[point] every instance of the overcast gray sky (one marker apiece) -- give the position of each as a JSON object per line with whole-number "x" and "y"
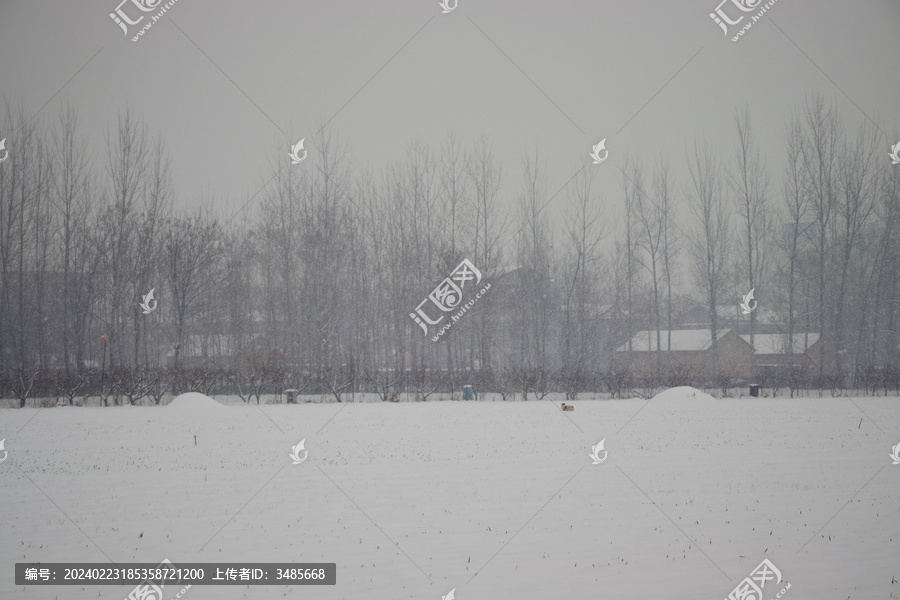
{"x": 230, "y": 85}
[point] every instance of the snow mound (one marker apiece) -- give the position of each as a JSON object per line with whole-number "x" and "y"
{"x": 195, "y": 400}
{"x": 685, "y": 392}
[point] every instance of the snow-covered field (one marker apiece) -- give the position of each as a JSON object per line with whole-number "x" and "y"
{"x": 495, "y": 499}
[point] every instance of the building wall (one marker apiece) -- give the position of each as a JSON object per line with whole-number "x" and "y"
{"x": 735, "y": 356}
{"x": 735, "y": 360}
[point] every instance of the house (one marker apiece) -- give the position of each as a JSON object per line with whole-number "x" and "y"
{"x": 690, "y": 355}
{"x": 774, "y": 356}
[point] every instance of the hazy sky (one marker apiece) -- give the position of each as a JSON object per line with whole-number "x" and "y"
{"x": 230, "y": 85}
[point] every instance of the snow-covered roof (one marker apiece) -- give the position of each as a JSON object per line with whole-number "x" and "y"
{"x": 683, "y": 340}
{"x": 777, "y": 343}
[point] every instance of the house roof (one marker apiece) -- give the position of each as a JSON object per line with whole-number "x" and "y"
{"x": 776, "y": 343}
{"x": 683, "y": 340}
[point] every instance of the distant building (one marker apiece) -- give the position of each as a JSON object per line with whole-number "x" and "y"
{"x": 767, "y": 360}
{"x": 772, "y": 351}
{"x": 691, "y": 354}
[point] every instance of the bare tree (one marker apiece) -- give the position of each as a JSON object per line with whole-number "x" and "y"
{"x": 750, "y": 186}
{"x": 455, "y": 188}
{"x": 69, "y": 384}
{"x": 240, "y": 281}
{"x": 580, "y": 272}
{"x": 26, "y": 230}
{"x": 161, "y": 381}
{"x": 652, "y": 220}
{"x": 425, "y": 383}
{"x": 127, "y": 155}
{"x": 327, "y": 216}
{"x": 820, "y": 150}
{"x": 192, "y": 252}
{"x": 280, "y": 229}
{"x": 488, "y": 233}
{"x": 795, "y": 186}
{"x": 157, "y": 195}
{"x": 539, "y": 381}
{"x": 663, "y": 189}
{"x": 885, "y": 336}
{"x": 710, "y": 246}
{"x": 23, "y": 382}
{"x": 72, "y": 195}
{"x": 135, "y": 383}
{"x": 534, "y": 250}
{"x": 857, "y": 189}
{"x": 42, "y": 217}
{"x": 339, "y": 380}
{"x": 385, "y": 382}
{"x": 203, "y": 379}
{"x": 632, "y": 184}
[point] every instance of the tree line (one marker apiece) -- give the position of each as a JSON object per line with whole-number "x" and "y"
{"x": 312, "y": 284}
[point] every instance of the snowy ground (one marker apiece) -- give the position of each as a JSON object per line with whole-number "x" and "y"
{"x": 412, "y": 500}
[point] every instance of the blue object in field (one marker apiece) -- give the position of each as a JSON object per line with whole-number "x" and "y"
{"x": 468, "y": 392}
